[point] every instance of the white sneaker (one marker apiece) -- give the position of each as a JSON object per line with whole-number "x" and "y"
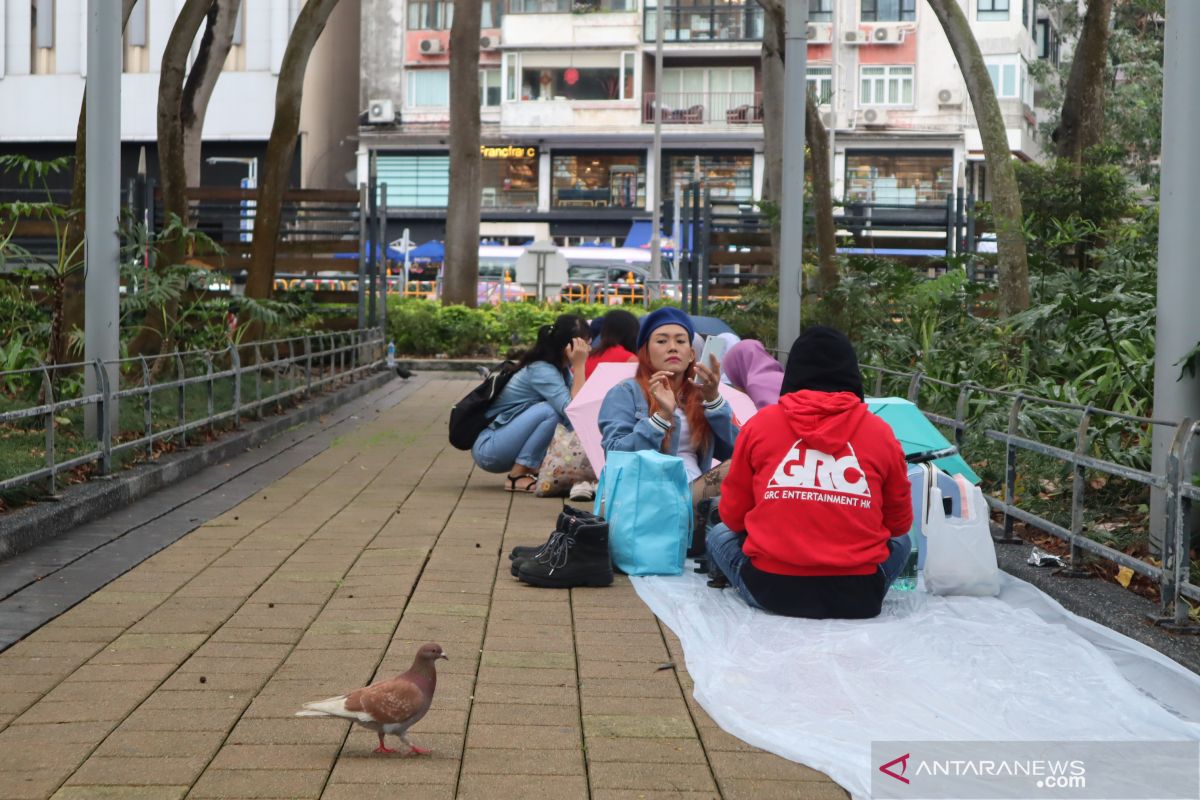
{"x": 584, "y": 490}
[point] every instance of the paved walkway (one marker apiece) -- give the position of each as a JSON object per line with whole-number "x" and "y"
{"x": 181, "y": 677}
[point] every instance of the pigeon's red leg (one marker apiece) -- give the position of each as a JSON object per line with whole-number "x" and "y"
{"x": 383, "y": 748}
{"x": 418, "y": 751}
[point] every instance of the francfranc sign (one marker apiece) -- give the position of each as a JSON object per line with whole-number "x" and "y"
{"x": 508, "y": 151}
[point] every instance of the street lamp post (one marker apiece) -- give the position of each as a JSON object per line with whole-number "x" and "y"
{"x": 791, "y": 205}
{"x": 655, "y": 191}
{"x": 246, "y": 222}
{"x": 101, "y": 327}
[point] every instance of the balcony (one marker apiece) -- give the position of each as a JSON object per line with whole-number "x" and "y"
{"x": 705, "y": 108}
{"x": 706, "y": 24}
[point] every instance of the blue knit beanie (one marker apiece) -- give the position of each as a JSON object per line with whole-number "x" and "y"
{"x": 663, "y": 316}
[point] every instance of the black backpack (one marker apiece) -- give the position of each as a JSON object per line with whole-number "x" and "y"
{"x": 469, "y": 417}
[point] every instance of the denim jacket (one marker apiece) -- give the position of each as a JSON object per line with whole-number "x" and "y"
{"x": 539, "y": 382}
{"x": 625, "y": 425}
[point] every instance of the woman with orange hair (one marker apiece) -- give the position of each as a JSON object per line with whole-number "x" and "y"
{"x": 663, "y": 408}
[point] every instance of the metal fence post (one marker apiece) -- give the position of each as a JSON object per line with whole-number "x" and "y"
{"x": 147, "y": 407}
{"x": 235, "y": 363}
{"x": 275, "y": 381}
{"x": 103, "y": 416}
{"x": 960, "y": 415}
{"x": 209, "y": 383}
{"x": 307, "y": 365}
{"x": 1010, "y": 469}
{"x": 257, "y": 382}
{"x": 48, "y": 399}
{"x": 181, "y": 374}
{"x": 1175, "y": 551}
{"x": 914, "y": 387}
{"x": 1077, "y": 489}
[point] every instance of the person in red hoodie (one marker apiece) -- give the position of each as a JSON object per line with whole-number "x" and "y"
{"x": 816, "y": 507}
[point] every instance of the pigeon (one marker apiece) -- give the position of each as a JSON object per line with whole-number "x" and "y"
{"x": 388, "y": 706}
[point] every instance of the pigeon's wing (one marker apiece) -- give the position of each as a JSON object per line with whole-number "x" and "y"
{"x": 389, "y": 702}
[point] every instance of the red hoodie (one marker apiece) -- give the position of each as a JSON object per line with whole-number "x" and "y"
{"x": 819, "y": 484}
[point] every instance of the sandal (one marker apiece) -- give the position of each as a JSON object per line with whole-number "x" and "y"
{"x": 526, "y": 488}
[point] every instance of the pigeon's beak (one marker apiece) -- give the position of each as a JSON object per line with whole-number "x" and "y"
{"x": 444, "y": 657}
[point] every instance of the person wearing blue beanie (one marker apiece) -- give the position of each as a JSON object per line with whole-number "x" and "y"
{"x": 672, "y": 405}
{"x": 664, "y": 316}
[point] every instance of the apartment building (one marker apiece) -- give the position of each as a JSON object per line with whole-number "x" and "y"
{"x": 43, "y": 65}
{"x": 567, "y": 98}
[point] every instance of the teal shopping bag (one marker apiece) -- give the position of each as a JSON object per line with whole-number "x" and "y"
{"x": 647, "y": 502}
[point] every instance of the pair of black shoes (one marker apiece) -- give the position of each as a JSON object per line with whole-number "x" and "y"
{"x": 576, "y": 554}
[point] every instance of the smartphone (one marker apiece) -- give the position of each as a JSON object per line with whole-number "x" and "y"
{"x": 713, "y": 346}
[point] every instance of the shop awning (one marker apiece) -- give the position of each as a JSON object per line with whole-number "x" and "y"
{"x": 639, "y": 236}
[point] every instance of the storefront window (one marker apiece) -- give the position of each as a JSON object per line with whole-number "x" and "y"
{"x": 509, "y": 176}
{"x": 899, "y": 178}
{"x": 415, "y": 181}
{"x": 598, "y": 180}
{"x": 726, "y": 176}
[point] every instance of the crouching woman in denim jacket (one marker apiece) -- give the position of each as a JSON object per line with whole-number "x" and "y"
{"x": 662, "y": 408}
{"x": 533, "y": 404}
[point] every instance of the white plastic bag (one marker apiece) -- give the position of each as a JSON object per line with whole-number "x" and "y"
{"x": 961, "y": 557}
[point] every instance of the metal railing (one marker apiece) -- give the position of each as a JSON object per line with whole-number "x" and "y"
{"x": 249, "y": 376}
{"x": 974, "y": 404}
{"x": 705, "y": 108}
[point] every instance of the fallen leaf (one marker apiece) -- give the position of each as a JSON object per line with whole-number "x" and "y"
{"x": 1124, "y": 576}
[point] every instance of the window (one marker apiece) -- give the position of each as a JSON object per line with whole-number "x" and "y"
{"x": 904, "y": 178}
{"x": 820, "y": 10}
{"x": 416, "y": 180}
{"x": 728, "y": 177}
{"x": 1004, "y": 76}
{"x": 569, "y": 6}
{"x": 595, "y": 75}
{"x": 885, "y": 86}
{"x": 43, "y": 24}
{"x": 888, "y": 10}
{"x": 509, "y": 177}
{"x": 820, "y": 83}
{"x": 430, "y": 15}
{"x": 489, "y": 87}
{"x": 1047, "y": 41}
{"x": 491, "y": 13}
{"x": 714, "y": 93}
{"x": 993, "y": 10}
{"x": 598, "y": 180}
{"x": 428, "y": 88}
{"x": 705, "y": 21}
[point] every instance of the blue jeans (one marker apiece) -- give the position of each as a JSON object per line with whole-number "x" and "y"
{"x": 725, "y": 549}
{"x": 523, "y": 440}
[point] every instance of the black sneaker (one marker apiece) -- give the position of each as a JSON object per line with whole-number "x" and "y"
{"x": 572, "y": 558}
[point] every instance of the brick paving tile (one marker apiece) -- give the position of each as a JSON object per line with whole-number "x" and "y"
{"x": 670, "y": 777}
{"x": 262, "y": 783}
{"x": 182, "y": 676}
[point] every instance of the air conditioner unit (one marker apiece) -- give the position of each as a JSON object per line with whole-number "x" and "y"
{"x": 381, "y": 112}
{"x": 875, "y": 116}
{"x": 827, "y": 119}
{"x": 855, "y": 37}
{"x": 887, "y": 36}
{"x": 487, "y": 43}
{"x": 950, "y": 97}
{"x": 430, "y": 46}
{"x": 820, "y": 34}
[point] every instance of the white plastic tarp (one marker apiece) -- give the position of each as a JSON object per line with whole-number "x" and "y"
{"x": 1018, "y": 667}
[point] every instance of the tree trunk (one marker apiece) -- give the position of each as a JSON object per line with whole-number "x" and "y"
{"x": 281, "y": 147}
{"x": 822, "y": 186}
{"x": 1012, "y": 262}
{"x": 202, "y": 80}
{"x": 72, "y": 299}
{"x": 1082, "y": 123}
{"x": 773, "y": 51}
{"x": 461, "y": 269}
{"x": 172, "y": 174}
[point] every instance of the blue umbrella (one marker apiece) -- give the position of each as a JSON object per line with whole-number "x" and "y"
{"x": 389, "y": 252}
{"x": 709, "y": 326}
{"x": 433, "y": 250}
